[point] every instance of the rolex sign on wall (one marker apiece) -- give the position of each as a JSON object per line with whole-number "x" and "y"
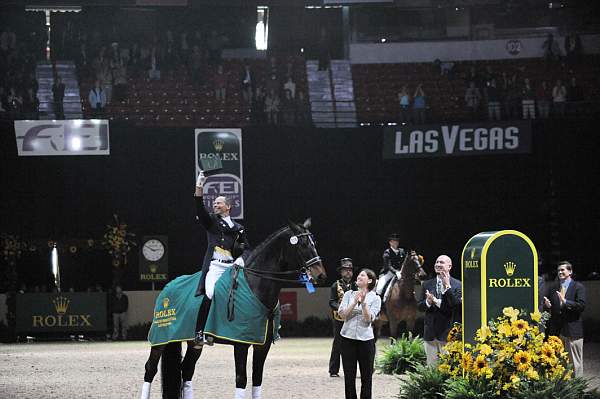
{"x": 62, "y": 312}
{"x": 221, "y": 150}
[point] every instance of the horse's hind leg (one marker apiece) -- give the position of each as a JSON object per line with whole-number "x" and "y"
{"x": 187, "y": 369}
{"x": 151, "y": 369}
{"x": 259, "y": 356}
{"x": 240, "y": 353}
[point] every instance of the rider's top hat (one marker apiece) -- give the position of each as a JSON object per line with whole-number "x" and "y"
{"x": 394, "y": 236}
{"x": 345, "y": 263}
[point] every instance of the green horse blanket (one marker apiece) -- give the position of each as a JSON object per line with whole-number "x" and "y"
{"x": 176, "y": 311}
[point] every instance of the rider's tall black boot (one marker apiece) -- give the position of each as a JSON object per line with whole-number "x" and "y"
{"x": 200, "y": 339}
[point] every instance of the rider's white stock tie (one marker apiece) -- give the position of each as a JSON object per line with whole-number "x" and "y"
{"x": 240, "y": 393}
{"x": 146, "y": 390}
{"x": 257, "y": 392}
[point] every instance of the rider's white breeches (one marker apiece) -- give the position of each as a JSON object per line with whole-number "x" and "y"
{"x": 215, "y": 271}
{"x": 383, "y": 279}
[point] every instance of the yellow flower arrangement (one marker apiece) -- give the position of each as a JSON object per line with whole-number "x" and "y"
{"x": 117, "y": 241}
{"x": 510, "y": 353}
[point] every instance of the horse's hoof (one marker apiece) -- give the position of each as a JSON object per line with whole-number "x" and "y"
{"x": 334, "y": 375}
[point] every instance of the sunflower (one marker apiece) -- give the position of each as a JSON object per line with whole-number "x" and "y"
{"x": 466, "y": 360}
{"x": 480, "y": 366}
{"x": 485, "y": 349}
{"x": 548, "y": 351}
{"x": 522, "y": 360}
{"x": 519, "y": 327}
{"x": 454, "y": 333}
{"x": 556, "y": 343}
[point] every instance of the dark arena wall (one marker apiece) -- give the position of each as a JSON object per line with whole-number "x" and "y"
{"x": 335, "y": 176}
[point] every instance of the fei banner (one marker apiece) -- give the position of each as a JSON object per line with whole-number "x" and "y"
{"x": 488, "y": 138}
{"x": 62, "y": 137}
{"x": 224, "y": 147}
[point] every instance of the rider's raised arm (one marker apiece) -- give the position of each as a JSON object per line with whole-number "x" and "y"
{"x": 201, "y": 214}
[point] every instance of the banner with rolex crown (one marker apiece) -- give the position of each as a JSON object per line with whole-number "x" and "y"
{"x": 61, "y": 312}
{"x": 499, "y": 269}
{"x": 224, "y": 145}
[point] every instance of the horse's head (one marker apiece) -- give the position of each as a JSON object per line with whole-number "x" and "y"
{"x": 302, "y": 251}
{"x": 413, "y": 266}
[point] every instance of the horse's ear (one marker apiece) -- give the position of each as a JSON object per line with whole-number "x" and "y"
{"x": 307, "y": 223}
{"x": 294, "y": 227}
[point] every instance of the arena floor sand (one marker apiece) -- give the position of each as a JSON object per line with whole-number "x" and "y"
{"x": 295, "y": 368}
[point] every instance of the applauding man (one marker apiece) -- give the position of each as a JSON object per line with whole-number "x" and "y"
{"x": 441, "y": 301}
{"x": 566, "y": 302}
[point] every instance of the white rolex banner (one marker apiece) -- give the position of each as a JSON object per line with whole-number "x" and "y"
{"x": 62, "y": 137}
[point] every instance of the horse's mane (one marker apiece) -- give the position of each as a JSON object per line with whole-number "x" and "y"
{"x": 266, "y": 242}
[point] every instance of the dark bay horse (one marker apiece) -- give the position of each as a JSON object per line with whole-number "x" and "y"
{"x": 281, "y": 258}
{"x": 401, "y": 304}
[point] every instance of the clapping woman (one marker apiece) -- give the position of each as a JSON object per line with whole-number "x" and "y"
{"x": 359, "y": 309}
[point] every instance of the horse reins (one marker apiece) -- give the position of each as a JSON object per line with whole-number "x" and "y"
{"x": 267, "y": 275}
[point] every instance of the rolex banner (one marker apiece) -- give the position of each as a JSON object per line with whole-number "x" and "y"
{"x": 499, "y": 269}
{"x": 487, "y": 138}
{"x": 63, "y": 312}
{"x": 223, "y": 149}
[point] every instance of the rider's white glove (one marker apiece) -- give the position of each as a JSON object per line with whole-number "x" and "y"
{"x": 398, "y": 275}
{"x": 239, "y": 262}
{"x": 201, "y": 179}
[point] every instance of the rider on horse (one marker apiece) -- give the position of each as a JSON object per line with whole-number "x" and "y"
{"x": 227, "y": 245}
{"x": 392, "y": 262}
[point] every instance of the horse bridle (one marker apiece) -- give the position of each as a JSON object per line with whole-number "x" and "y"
{"x": 305, "y": 269}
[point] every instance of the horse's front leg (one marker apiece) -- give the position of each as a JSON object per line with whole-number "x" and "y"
{"x": 187, "y": 369}
{"x": 240, "y": 353}
{"x": 259, "y": 356}
{"x": 151, "y": 369}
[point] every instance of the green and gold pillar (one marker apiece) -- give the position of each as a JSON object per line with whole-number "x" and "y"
{"x": 499, "y": 269}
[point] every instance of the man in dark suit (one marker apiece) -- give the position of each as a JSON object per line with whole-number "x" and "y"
{"x": 441, "y": 301}
{"x": 227, "y": 246}
{"x": 566, "y": 302}
{"x": 338, "y": 289}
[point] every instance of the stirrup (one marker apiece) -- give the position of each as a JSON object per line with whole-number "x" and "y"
{"x": 200, "y": 340}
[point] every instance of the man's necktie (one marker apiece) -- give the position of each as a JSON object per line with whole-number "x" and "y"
{"x": 438, "y": 288}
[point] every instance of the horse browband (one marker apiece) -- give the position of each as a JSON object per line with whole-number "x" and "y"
{"x": 307, "y": 264}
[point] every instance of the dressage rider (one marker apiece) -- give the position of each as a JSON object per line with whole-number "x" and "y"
{"x": 227, "y": 246}
{"x": 393, "y": 257}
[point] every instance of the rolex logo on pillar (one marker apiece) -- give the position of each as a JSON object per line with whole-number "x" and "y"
{"x": 218, "y": 145}
{"x": 510, "y": 268}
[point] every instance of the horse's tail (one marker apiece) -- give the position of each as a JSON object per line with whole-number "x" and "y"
{"x": 171, "y": 371}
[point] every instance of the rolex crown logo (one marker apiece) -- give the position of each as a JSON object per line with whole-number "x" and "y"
{"x": 153, "y": 268}
{"x": 61, "y": 304}
{"x": 166, "y": 303}
{"x": 510, "y": 268}
{"x": 218, "y": 144}
{"x": 473, "y": 250}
